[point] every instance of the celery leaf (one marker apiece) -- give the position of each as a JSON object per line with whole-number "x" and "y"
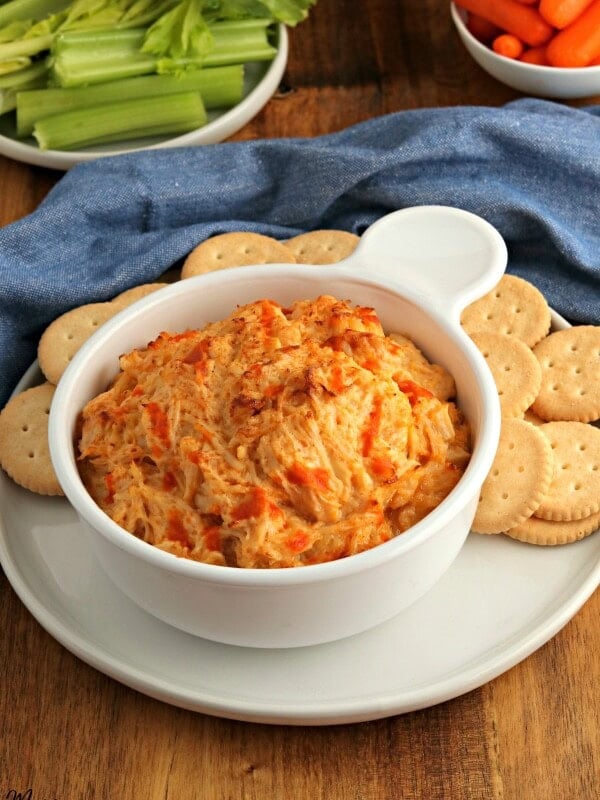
{"x": 218, "y": 10}
{"x": 46, "y": 26}
{"x": 290, "y": 12}
{"x": 180, "y": 33}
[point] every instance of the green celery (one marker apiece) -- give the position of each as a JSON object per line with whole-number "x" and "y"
{"x": 117, "y": 14}
{"x": 180, "y": 33}
{"x": 15, "y": 80}
{"x": 26, "y": 47}
{"x": 14, "y": 66}
{"x": 141, "y": 133}
{"x": 114, "y": 122}
{"x": 14, "y": 30}
{"x": 219, "y": 87}
{"x": 35, "y": 38}
{"x": 290, "y": 12}
{"x": 88, "y": 57}
{"x": 240, "y": 41}
{"x": 28, "y": 79}
{"x": 29, "y": 10}
{"x": 37, "y": 34}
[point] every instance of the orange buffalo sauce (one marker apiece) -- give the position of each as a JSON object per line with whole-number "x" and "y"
{"x": 198, "y": 352}
{"x": 109, "y": 480}
{"x": 268, "y": 315}
{"x": 314, "y": 477}
{"x": 413, "y": 391}
{"x": 337, "y": 380}
{"x": 212, "y": 537}
{"x": 372, "y": 429}
{"x": 368, "y": 315}
{"x": 159, "y": 422}
{"x": 298, "y": 541}
{"x": 176, "y": 531}
{"x": 255, "y": 505}
{"x": 383, "y": 468}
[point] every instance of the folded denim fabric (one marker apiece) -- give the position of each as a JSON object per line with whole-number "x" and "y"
{"x": 531, "y": 168}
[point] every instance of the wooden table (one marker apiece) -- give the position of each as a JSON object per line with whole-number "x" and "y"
{"x": 68, "y": 732}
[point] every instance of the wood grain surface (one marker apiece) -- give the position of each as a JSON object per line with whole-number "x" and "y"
{"x": 67, "y": 732}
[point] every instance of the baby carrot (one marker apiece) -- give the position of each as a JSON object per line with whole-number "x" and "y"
{"x": 561, "y": 13}
{"x": 536, "y": 55}
{"x": 578, "y": 44}
{"x": 483, "y": 30}
{"x": 527, "y": 2}
{"x": 512, "y": 17}
{"x": 507, "y": 45}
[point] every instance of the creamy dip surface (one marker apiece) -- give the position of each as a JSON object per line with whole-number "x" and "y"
{"x": 278, "y": 437}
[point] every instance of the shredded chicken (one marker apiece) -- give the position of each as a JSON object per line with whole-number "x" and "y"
{"x": 278, "y": 437}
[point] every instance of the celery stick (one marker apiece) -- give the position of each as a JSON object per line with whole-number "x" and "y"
{"x": 120, "y": 121}
{"x": 240, "y": 41}
{"x": 8, "y": 97}
{"x": 15, "y": 80}
{"x": 32, "y": 77}
{"x": 29, "y": 9}
{"x": 16, "y": 65}
{"x": 219, "y": 87}
{"x": 81, "y": 58}
{"x": 26, "y": 47}
{"x": 87, "y": 57}
{"x": 143, "y": 133}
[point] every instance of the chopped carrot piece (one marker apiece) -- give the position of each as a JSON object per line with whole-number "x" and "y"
{"x": 535, "y": 55}
{"x": 482, "y": 29}
{"x": 561, "y": 13}
{"x": 508, "y": 46}
{"x": 577, "y": 45}
{"x": 513, "y": 17}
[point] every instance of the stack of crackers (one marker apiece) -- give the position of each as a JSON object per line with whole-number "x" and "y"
{"x": 544, "y": 485}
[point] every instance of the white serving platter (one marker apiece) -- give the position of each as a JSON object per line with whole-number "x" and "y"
{"x": 499, "y": 602}
{"x": 260, "y": 84}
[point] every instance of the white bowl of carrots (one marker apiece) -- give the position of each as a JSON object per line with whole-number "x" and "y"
{"x": 548, "y": 48}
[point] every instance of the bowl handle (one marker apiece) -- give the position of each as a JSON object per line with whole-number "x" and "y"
{"x": 446, "y": 256}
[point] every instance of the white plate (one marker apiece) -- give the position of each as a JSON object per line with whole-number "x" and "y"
{"x": 260, "y": 83}
{"x": 498, "y": 603}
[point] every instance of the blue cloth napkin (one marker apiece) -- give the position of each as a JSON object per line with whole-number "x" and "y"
{"x": 531, "y": 168}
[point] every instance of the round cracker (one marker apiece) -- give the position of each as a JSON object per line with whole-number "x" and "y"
{"x": 323, "y": 246}
{"x": 570, "y": 361}
{"x": 575, "y": 489}
{"x": 235, "y": 250}
{"x": 130, "y": 296}
{"x": 514, "y": 307}
{"x": 63, "y": 337}
{"x": 546, "y": 532}
{"x": 516, "y": 371}
{"x": 518, "y": 479}
{"x": 24, "y": 451}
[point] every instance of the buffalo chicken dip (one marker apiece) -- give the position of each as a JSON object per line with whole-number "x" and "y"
{"x": 278, "y": 437}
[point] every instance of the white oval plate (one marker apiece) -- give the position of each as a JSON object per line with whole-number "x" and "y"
{"x": 260, "y": 83}
{"x": 499, "y": 602}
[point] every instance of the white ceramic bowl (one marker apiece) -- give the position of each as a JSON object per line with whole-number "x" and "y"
{"x": 418, "y": 268}
{"x": 556, "y": 82}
